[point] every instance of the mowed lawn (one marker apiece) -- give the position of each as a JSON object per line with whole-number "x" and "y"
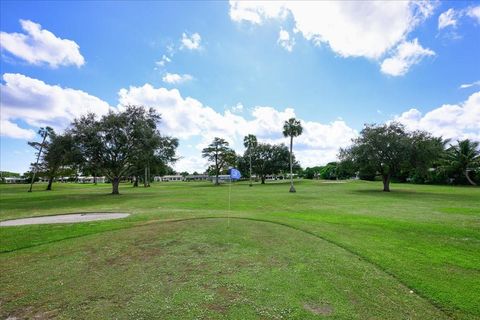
{"x": 333, "y": 250}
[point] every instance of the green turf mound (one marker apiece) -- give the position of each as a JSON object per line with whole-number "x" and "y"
{"x": 201, "y": 269}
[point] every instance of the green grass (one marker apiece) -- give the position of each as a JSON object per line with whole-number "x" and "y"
{"x": 343, "y": 251}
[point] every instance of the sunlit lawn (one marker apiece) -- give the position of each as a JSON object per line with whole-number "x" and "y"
{"x": 339, "y": 250}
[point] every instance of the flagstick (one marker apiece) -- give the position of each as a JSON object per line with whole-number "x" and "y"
{"x": 229, "y": 197}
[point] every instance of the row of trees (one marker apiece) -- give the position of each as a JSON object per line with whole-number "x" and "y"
{"x": 392, "y": 152}
{"x": 128, "y": 143}
{"x": 261, "y": 159}
{"x": 118, "y": 144}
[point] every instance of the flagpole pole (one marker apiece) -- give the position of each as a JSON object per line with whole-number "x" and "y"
{"x": 229, "y": 198}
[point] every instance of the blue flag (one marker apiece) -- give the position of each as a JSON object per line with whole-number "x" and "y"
{"x": 235, "y": 174}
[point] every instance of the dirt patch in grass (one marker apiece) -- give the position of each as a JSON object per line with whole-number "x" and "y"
{"x": 31, "y": 313}
{"x": 324, "y": 309}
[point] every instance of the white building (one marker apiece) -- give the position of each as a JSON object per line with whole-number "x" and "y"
{"x": 168, "y": 178}
{"x": 222, "y": 178}
{"x": 90, "y": 179}
{"x": 14, "y": 180}
{"x": 197, "y": 177}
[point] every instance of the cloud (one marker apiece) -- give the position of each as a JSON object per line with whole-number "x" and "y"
{"x": 342, "y": 24}
{"x": 457, "y": 121}
{"x": 40, "y": 46}
{"x": 451, "y": 18}
{"x": 191, "y": 164}
{"x": 174, "y": 78}
{"x": 191, "y": 42}
{"x": 285, "y": 40}
{"x": 187, "y": 118}
{"x": 238, "y": 108}
{"x": 39, "y": 104}
{"x": 474, "y": 12}
{"x": 468, "y": 85}
{"x": 256, "y": 11}
{"x": 12, "y": 130}
{"x": 406, "y": 55}
{"x": 447, "y": 18}
{"x": 163, "y": 61}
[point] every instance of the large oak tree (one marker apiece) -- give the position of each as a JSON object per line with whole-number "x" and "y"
{"x": 116, "y": 141}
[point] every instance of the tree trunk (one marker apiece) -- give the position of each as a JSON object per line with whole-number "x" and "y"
{"x": 263, "y": 179}
{"x": 386, "y": 182}
{"x": 216, "y": 170}
{"x": 94, "y": 178}
{"x": 292, "y": 188}
{"x": 469, "y": 179}
{"x": 36, "y": 163}
{"x": 250, "y": 169}
{"x": 145, "y": 178}
{"x": 49, "y": 186}
{"x": 148, "y": 175}
{"x": 115, "y": 183}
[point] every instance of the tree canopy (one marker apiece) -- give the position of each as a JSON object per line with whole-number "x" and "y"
{"x": 120, "y": 140}
{"x": 389, "y": 150}
{"x": 219, "y": 155}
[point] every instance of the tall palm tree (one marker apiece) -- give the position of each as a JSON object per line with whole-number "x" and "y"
{"x": 292, "y": 128}
{"x": 464, "y": 157}
{"x": 250, "y": 142}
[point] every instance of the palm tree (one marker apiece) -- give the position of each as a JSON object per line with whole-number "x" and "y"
{"x": 292, "y": 128}
{"x": 464, "y": 157}
{"x": 250, "y": 142}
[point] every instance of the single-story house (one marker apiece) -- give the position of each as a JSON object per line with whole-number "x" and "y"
{"x": 169, "y": 178}
{"x": 197, "y": 177}
{"x": 90, "y": 179}
{"x": 14, "y": 180}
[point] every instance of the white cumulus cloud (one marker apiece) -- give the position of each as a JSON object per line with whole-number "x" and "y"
{"x": 447, "y": 18}
{"x": 39, "y": 46}
{"x": 405, "y": 56}
{"x": 12, "y": 130}
{"x": 342, "y": 24}
{"x": 174, "y": 78}
{"x": 39, "y": 104}
{"x": 452, "y": 121}
{"x": 474, "y": 12}
{"x": 187, "y": 117}
{"x": 191, "y": 42}
{"x": 163, "y": 61}
{"x": 285, "y": 40}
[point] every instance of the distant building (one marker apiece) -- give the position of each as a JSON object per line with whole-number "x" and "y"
{"x": 223, "y": 178}
{"x": 169, "y": 178}
{"x": 197, "y": 177}
{"x": 14, "y": 180}
{"x": 91, "y": 179}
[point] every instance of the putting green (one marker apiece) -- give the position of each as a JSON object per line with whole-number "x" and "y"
{"x": 201, "y": 269}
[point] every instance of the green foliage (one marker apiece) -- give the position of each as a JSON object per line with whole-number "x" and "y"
{"x": 268, "y": 159}
{"x": 292, "y": 128}
{"x": 220, "y": 155}
{"x": 124, "y": 141}
{"x": 9, "y": 174}
{"x": 311, "y": 172}
{"x": 393, "y": 153}
{"x": 463, "y": 160}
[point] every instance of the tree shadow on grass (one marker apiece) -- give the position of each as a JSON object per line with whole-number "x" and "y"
{"x": 415, "y": 194}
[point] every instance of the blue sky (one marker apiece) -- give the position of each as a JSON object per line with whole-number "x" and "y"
{"x": 229, "y": 69}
